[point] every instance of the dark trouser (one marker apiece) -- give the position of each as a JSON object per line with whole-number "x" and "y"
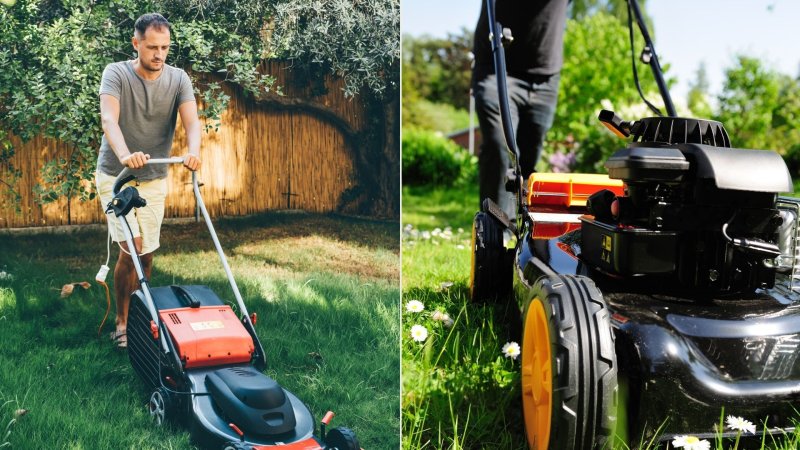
{"x": 532, "y": 104}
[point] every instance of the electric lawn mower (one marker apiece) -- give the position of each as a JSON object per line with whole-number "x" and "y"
{"x": 652, "y": 297}
{"x": 204, "y": 364}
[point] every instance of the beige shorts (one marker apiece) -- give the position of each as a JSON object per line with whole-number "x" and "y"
{"x": 145, "y": 221}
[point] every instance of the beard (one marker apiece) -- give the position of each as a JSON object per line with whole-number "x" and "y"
{"x": 150, "y": 66}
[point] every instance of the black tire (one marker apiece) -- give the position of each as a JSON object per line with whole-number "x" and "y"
{"x": 235, "y": 446}
{"x": 580, "y": 376}
{"x": 162, "y": 406}
{"x": 341, "y": 438}
{"x": 490, "y": 270}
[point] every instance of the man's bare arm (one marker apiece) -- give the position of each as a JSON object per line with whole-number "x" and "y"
{"x": 109, "y": 117}
{"x": 191, "y": 124}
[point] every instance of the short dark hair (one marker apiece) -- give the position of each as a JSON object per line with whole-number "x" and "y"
{"x": 146, "y": 21}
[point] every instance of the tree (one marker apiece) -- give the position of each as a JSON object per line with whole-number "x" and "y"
{"x": 697, "y": 98}
{"x": 597, "y": 74}
{"x": 747, "y": 103}
{"x": 437, "y": 69}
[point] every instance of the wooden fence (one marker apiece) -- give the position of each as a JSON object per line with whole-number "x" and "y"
{"x": 265, "y": 156}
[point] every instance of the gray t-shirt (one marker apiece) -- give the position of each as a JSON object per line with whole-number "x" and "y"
{"x": 148, "y": 111}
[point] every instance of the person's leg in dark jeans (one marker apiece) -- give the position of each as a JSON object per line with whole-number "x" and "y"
{"x": 532, "y": 105}
{"x": 535, "y": 119}
{"x": 494, "y": 159}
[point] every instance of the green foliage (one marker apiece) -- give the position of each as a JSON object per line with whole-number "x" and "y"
{"x": 437, "y": 70}
{"x": 597, "y": 71}
{"x": 747, "y": 103}
{"x": 440, "y": 117}
{"x": 429, "y": 158}
{"x": 760, "y": 109}
{"x": 357, "y": 40}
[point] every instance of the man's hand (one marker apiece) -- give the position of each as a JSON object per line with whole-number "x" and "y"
{"x": 192, "y": 162}
{"x": 135, "y": 160}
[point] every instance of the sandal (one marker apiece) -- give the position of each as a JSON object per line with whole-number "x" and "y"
{"x": 120, "y": 337}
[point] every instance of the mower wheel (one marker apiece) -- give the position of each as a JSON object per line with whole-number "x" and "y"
{"x": 341, "y": 438}
{"x": 235, "y": 446}
{"x": 569, "y": 367}
{"x": 162, "y": 406}
{"x": 490, "y": 272}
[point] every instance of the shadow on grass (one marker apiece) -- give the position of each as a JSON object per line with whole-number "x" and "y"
{"x": 330, "y": 338}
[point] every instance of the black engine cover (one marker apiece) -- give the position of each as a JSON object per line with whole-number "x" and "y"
{"x": 253, "y": 401}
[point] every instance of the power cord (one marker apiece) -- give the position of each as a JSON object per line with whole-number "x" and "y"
{"x": 100, "y": 278}
{"x": 633, "y": 63}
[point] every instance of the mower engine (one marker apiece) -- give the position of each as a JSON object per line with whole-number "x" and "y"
{"x": 697, "y": 213}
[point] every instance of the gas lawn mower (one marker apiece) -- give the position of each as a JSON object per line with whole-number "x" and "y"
{"x": 204, "y": 364}
{"x": 652, "y": 297}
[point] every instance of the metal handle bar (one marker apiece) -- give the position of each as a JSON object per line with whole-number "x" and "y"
{"x": 126, "y": 176}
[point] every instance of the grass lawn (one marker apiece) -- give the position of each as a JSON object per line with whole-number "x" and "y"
{"x": 458, "y": 389}
{"x": 325, "y": 288}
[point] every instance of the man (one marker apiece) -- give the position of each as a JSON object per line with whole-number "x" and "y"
{"x": 533, "y": 65}
{"x": 139, "y": 103}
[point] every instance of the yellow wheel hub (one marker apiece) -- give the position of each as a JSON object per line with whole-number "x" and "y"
{"x": 537, "y": 377}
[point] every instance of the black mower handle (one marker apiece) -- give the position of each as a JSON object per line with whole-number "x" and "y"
{"x": 122, "y": 181}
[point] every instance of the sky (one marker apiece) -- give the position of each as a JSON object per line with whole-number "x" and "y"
{"x": 687, "y": 32}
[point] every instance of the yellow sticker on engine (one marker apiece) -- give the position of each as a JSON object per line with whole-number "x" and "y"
{"x": 606, "y": 242}
{"x": 209, "y": 325}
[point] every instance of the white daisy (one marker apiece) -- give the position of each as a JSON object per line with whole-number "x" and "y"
{"x": 414, "y": 306}
{"x": 419, "y": 333}
{"x": 739, "y": 424}
{"x": 511, "y": 350}
{"x": 690, "y": 443}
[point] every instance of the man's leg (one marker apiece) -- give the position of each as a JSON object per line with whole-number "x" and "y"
{"x": 494, "y": 160}
{"x": 126, "y": 281}
{"x": 536, "y": 118}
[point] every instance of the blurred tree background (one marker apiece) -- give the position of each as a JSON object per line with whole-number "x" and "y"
{"x": 759, "y": 107}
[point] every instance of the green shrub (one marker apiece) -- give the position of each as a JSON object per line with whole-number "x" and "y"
{"x": 433, "y": 116}
{"x": 429, "y": 158}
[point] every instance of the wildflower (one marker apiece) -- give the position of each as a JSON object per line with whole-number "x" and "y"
{"x": 460, "y": 230}
{"x": 460, "y": 247}
{"x": 511, "y": 350}
{"x": 445, "y": 318}
{"x": 6, "y": 276}
{"x": 690, "y": 443}
{"x": 414, "y": 306}
{"x": 426, "y": 235}
{"x": 419, "y": 333}
{"x": 739, "y": 424}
